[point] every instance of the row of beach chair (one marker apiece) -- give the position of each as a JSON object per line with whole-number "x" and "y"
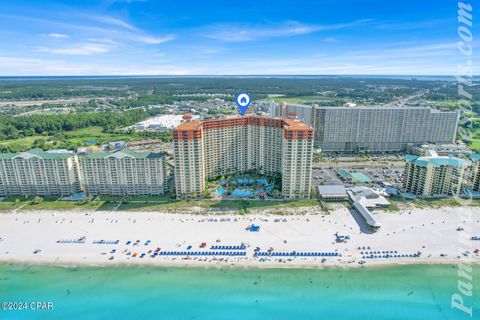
{"x": 106, "y": 241}
{"x": 394, "y": 256}
{"x": 378, "y": 252}
{"x": 298, "y": 254}
{"x": 201, "y": 253}
{"x": 71, "y": 241}
{"x": 241, "y": 247}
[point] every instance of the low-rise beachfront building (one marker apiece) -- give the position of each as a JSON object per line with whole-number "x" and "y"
{"x": 124, "y": 172}
{"x": 433, "y": 175}
{"x": 332, "y": 193}
{"x": 225, "y": 146}
{"x": 365, "y": 199}
{"x": 39, "y": 173}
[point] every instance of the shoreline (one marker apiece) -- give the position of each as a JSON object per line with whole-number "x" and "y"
{"x": 115, "y": 265}
{"x": 47, "y": 238}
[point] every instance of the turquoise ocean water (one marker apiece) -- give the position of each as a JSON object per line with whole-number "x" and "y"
{"x": 403, "y": 292}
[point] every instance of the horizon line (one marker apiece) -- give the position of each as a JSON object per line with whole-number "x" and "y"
{"x": 233, "y": 75}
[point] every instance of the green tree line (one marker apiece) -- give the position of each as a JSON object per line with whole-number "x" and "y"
{"x": 14, "y": 127}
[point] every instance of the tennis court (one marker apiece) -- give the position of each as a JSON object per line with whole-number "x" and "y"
{"x": 360, "y": 177}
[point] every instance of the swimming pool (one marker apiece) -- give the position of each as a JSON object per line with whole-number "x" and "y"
{"x": 241, "y": 193}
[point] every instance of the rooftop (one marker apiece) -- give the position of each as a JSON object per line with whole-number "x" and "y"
{"x": 289, "y": 123}
{"x": 296, "y": 124}
{"x": 39, "y": 154}
{"x": 124, "y": 153}
{"x": 370, "y": 107}
{"x": 436, "y": 160}
{"x": 189, "y": 125}
{"x": 332, "y": 190}
{"x": 475, "y": 157}
{"x": 366, "y": 214}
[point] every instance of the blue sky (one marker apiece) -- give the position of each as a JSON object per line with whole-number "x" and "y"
{"x": 164, "y": 37}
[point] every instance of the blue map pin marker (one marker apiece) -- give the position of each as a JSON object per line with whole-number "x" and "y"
{"x": 243, "y": 102}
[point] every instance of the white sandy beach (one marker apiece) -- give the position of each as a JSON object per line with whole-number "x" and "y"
{"x": 433, "y": 232}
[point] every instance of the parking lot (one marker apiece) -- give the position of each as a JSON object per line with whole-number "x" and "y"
{"x": 388, "y": 174}
{"x": 325, "y": 176}
{"x": 376, "y": 172}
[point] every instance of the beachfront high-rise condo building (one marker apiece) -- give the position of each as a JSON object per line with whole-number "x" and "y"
{"x": 39, "y": 173}
{"x": 268, "y": 146}
{"x": 374, "y": 128}
{"x": 124, "y": 172}
{"x": 475, "y": 172}
{"x": 433, "y": 175}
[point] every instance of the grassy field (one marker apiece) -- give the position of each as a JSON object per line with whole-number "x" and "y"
{"x": 243, "y": 206}
{"x": 10, "y": 204}
{"x": 475, "y": 144}
{"x": 74, "y": 205}
{"x": 145, "y": 203}
{"x": 165, "y": 203}
{"x": 436, "y": 203}
{"x": 81, "y": 137}
{"x": 444, "y": 103}
{"x": 26, "y": 141}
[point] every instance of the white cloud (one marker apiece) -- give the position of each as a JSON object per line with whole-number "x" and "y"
{"x": 329, "y": 64}
{"x": 152, "y": 39}
{"x": 13, "y": 66}
{"x": 331, "y": 40}
{"x": 115, "y": 22}
{"x": 248, "y": 32}
{"x": 84, "y": 49}
{"x": 411, "y": 25}
{"x": 57, "y": 35}
{"x": 28, "y": 66}
{"x": 86, "y": 27}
